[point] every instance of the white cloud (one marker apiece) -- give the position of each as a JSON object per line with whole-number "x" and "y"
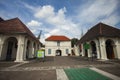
{"x": 57, "y": 23}
{"x": 34, "y": 23}
{"x": 112, "y": 20}
{"x": 97, "y": 10}
{"x": 61, "y": 25}
{"x": 33, "y": 30}
{"x": 44, "y": 12}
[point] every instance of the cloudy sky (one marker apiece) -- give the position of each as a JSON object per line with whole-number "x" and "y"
{"x": 62, "y": 17}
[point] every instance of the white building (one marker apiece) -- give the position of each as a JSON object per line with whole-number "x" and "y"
{"x": 17, "y": 42}
{"x": 57, "y": 46}
{"x": 101, "y": 41}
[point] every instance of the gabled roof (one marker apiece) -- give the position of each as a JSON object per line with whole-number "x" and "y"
{"x": 14, "y": 26}
{"x": 57, "y": 38}
{"x": 100, "y": 30}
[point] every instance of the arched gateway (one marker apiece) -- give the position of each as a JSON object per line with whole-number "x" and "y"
{"x": 93, "y": 48}
{"x": 110, "y": 49}
{"x": 58, "y": 52}
{"x": 10, "y": 49}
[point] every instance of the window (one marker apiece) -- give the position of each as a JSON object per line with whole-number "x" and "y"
{"x": 58, "y": 43}
{"x": 67, "y": 51}
{"x": 49, "y": 51}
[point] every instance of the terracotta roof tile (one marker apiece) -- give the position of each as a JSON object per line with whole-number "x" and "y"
{"x": 57, "y": 38}
{"x": 100, "y": 29}
{"x": 15, "y": 26}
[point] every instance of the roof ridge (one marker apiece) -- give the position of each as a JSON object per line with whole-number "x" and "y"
{"x": 100, "y": 28}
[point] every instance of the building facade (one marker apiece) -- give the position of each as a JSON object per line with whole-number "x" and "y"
{"x": 57, "y": 46}
{"x": 17, "y": 42}
{"x": 101, "y": 41}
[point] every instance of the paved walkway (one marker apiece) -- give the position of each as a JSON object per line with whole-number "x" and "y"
{"x": 52, "y": 66}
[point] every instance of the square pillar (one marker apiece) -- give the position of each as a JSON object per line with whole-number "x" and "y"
{"x": 31, "y": 50}
{"x": 103, "y": 49}
{"x": 25, "y": 46}
{"x": 35, "y": 54}
{"x": 117, "y": 45}
{"x": 76, "y": 50}
{"x": 118, "y": 51}
{"x": 98, "y": 49}
{"x": 20, "y": 49}
{"x": 89, "y": 53}
{"x": 1, "y": 47}
{"x": 83, "y": 52}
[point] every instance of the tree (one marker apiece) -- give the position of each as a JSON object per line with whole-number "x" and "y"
{"x": 74, "y": 41}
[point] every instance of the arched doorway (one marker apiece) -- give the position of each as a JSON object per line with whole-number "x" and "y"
{"x": 109, "y": 49}
{"x": 27, "y": 49}
{"x": 93, "y": 48}
{"x": 10, "y": 48}
{"x": 58, "y": 52}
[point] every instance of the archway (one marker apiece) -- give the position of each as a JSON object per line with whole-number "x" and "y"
{"x": 10, "y": 49}
{"x": 109, "y": 49}
{"x": 93, "y": 48}
{"x": 58, "y": 52}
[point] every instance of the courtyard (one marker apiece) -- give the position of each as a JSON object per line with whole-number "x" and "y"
{"x": 47, "y": 69}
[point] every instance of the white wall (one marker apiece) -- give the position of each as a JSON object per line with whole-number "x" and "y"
{"x": 101, "y": 47}
{"x": 53, "y": 46}
{"x": 20, "y": 53}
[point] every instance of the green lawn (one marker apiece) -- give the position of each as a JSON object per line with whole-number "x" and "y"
{"x": 84, "y": 74}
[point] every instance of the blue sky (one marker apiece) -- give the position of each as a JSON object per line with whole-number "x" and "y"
{"x": 61, "y": 17}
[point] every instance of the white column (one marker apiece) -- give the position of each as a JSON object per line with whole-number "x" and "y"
{"x": 98, "y": 49}
{"x": 1, "y": 47}
{"x": 83, "y": 51}
{"x": 31, "y": 50}
{"x": 36, "y": 50}
{"x": 103, "y": 49}
{"x": 89, "y": 51}
{"x": 20, "y": 49}
{"x": 76, "y": 50}
{"x": 117, "y": 49}
{"x": 25, "y": 46}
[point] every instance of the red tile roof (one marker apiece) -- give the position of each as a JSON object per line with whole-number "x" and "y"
{"x": 15, "y": 26}
{"x": 100, "y": 30}
{"x": 57, "y": 38}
